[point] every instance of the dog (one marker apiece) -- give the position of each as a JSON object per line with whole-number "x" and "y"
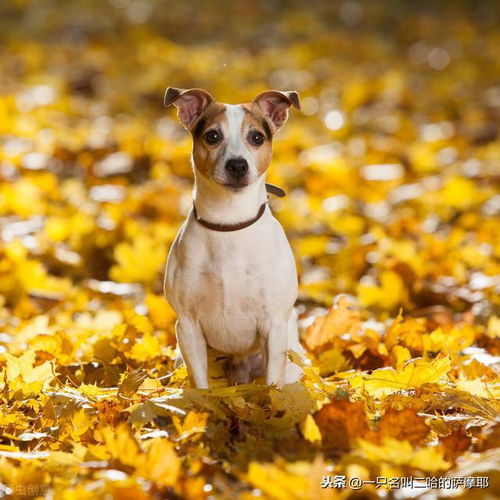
{"x": 230, "y": 275}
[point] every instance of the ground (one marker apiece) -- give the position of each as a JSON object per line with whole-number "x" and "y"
{"x": 392, "y": 210}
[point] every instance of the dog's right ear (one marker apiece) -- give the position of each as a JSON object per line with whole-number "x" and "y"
{"x": 190, "y": 103}
{"x": 275, "y": 104}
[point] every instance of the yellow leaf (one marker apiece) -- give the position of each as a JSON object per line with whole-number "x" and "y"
{"x": 493, "y": 328}
{"x": 399, "y": 355}
{"x": 406, "y": 332}
{"x": 194, "y": 423}
{"x": 398, "y": 452}
{"x": 139, "y": 260}
{"x": 423, "y": 157}
{"x": 331, "y": 361}
{"x": 390, "y": 293}
{"x": 312, "y": 246}
{"x": 90, "y": 390}
{"x": 277, "y": 483}
{"x": 310, "y": 430}
{"x": 415, "y": 373}
{"x": 22, "y": 375}
{"x": 146, "y": 348}
{"x": 340, "y": 319}
{"x": 161, "y": 313}
{"x": 450, "y": 341}
{"x": 122, "y": 445}
{"x": 142, "y": 323}
{"x": 460, "y": 193}
{"x": 161, "y": 463}
{"x": 80, "y": 422}
{"x": 479, "y": 388}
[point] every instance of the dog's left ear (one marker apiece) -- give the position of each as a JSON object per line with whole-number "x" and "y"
{"x": 275, "y": 104}
{"x": 190, "y": 103}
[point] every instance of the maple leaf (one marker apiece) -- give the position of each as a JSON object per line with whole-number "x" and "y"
{"x": 122, "y": 445}
{"x": 480, "y": 388}
{"x": 22, "y": 375}
{"x": 193, "y": 423}
{"x": 390, "y": 293}
{"x": 138, "y": 261}
{"x": 161, "y": 463}
{"x": 131, "y": 383}
{"x": 398, "y": 452}
{"x": 277, "y": 483}
{"x": 414, "y": 374}
{"x": 404, "y": 425}
{"x": 339, "y": 320}
{"x": 81, "y": 422}
{"x": 341, "y": 423}
{"x": 146, "y": 348}
{"x": 310, "y": 430}
{"x": 449, "y": 341}
{"x": 407, "y": 333}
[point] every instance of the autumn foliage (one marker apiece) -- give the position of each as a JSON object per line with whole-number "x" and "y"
{"x": 392, "y": 211}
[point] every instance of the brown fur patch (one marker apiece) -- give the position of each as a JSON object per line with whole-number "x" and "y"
{"x": 256, "y": 111}
{"x": 254, "y": 121}
{"x": 258, "y": 118}
{"x": 205, "y": 156}
{"x": 210, "y": 116}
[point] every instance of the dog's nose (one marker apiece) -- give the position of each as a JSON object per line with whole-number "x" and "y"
{"x": 237, "y": 167}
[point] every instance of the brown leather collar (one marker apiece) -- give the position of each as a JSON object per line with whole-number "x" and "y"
{"x": 214, "y": 226}
{"x": 277, "y": 191}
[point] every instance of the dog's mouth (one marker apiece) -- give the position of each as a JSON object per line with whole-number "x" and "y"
{"x": 235, "y": 186}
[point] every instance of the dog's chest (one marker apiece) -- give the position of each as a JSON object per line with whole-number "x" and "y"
{"x": 239, "y": 273}
{"x": 233, "y": 283}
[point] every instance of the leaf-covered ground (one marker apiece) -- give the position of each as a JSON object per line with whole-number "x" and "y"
{"x": 392, "y": 211}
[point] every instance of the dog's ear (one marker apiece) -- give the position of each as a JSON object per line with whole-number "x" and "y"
{"x": 275, "y": 104}
{"x": 190, "y": 103}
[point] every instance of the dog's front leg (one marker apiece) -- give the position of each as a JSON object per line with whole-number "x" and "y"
{"x": 193, "y": 348}
{"x": 276, "y": 343}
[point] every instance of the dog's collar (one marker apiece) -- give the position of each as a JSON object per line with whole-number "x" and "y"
{"x": 277, "y": 191}
{"x": 214, "y": 226}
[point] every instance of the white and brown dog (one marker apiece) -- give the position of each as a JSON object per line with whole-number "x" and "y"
{"x": 231, "y": 276}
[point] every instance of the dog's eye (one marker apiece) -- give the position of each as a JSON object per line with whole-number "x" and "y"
{"x": 256, "y": 138}
{"x": 213, "y": 137}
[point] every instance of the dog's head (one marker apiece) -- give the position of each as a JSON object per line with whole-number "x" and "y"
{"x": 232, "y": 144}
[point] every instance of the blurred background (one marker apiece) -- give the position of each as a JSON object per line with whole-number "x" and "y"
{"x": 391, "y": 169}
{"x": 392, "y": 173}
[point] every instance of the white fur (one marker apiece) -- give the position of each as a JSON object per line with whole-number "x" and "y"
{"x": 234, "y": 291}
{"x": 236, "y": 144}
